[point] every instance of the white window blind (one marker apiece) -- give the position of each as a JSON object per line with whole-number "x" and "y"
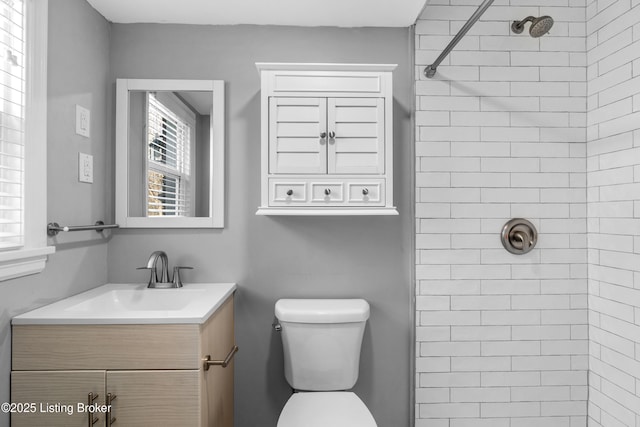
{"x": 12, "y": 119}
{"x": 168, "y": 161}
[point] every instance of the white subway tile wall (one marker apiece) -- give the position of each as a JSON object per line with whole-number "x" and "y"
{"x": 501, "y": 132}
{"x": 613, "y": 221}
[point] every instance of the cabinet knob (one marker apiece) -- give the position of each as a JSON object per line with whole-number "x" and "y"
{"x": 327, "y": 191}
{"x": 332, "y": 134}
{"x": 323, "y": 135}
{"x": 365, "y": 191}
{"x": 289, "y": 192}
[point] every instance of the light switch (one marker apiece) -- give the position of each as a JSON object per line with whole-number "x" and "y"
{"x": 85, "y": 168}
{"x": 83, "y": 121}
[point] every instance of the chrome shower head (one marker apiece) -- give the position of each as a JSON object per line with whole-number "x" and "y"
{"x": 539, "y": 26}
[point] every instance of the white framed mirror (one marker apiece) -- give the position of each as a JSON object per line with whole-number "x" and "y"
{"x": 170, "y": 153}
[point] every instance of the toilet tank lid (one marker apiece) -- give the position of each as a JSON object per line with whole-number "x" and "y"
{"x": 322, "y": 310}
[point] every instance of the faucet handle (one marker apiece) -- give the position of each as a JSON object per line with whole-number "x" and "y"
{"x": 177, "y": 282}
{"x": 153, "y": 278}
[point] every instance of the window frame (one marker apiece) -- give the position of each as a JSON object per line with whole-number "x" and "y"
{"x": 32, "y": 256}
{"x": 187, "y": 180}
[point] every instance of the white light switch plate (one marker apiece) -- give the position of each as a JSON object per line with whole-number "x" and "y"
{"x": 85, "y": 168}
{"x": 83, "y": 121}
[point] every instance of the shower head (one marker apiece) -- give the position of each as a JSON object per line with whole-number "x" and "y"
{"x": 539, "y": 26}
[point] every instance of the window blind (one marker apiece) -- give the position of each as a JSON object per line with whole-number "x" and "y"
{"x": 168, "y": 160}
{"x": 12, "y": 122}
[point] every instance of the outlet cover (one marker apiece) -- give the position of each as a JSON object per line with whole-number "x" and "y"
{"x": 83, "y": 121}
{"x": 85, "y": 168}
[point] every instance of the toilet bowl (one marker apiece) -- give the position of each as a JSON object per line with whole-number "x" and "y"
{"x": 322, "y": 339}
{"x": 325, "y": 409}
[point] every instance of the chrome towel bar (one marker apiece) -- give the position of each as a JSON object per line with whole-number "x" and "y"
{"x": 53, "y": 228}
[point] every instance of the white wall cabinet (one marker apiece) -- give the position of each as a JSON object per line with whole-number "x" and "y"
{"x": 327, "y": 139}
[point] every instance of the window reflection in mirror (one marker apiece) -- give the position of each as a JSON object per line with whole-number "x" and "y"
{"x": 169, "y": 134}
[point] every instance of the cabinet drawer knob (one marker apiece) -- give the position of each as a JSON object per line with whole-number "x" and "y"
{"x": 323, "y": 135}
{"x": 327, "y": 191}
{"x": 289, "y": 192}
{"x": 332, "y": 135}
{"x": 365, "y": 191}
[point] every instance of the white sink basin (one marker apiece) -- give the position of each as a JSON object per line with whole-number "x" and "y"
{"x": 133, "y": 303}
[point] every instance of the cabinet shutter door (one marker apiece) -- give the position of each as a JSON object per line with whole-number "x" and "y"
{"x": 295, "y": 141}
{"x": 358, "y": 144}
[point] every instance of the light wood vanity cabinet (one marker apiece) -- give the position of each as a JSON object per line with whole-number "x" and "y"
{"x": 155, "y": 371}
{"x": 327, "y": 139}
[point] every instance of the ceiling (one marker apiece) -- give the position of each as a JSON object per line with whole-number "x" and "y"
{"x": 308, "y": 13}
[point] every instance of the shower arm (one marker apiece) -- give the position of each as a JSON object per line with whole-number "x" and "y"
{"x": 430, "y": 71}
{"x": 518, "y": 26}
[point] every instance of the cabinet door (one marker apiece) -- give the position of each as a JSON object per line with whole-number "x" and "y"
{"x": 57, "y": 396}
{"x": 356, "y": 135}
{"x": 155, "y": 398}
{"x": 296, "y": 144}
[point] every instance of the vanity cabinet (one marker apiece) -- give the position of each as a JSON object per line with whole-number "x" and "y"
{"x": 327, "y": 139}
{"x": 154, "y": 374}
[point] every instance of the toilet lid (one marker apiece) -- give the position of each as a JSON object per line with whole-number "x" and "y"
{"x": 324, "y": 409}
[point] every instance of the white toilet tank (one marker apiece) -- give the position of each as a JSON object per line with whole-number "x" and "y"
{"x": 322, "y": 340}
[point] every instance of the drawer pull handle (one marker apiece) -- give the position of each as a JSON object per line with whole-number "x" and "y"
{"x": 110, "y": 399}
{"x": 90, "y": 399}
{"x": 323, "y": 135}
{"x": 207, "y": 362}
{"x": 365, "y": 191}
{"x": 289, "y": 192}
{"x": 327, "y": 191}
{"x": 332, "y": 135}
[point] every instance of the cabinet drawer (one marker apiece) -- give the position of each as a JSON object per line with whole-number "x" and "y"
{"x": 366, "y": 192}
{"x": 283, "y": 193}
{"x": 327, "y": 192}
{"x": 69, "y": 347}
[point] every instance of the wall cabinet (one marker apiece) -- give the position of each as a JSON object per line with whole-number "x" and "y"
{"x": 159, "y": 380}
{"x": 327, "y": 139}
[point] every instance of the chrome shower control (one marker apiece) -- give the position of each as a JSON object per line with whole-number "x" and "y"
{"x": 519, "y": 236}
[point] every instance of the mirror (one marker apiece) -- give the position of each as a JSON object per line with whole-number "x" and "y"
{"x": 170, "y": 153}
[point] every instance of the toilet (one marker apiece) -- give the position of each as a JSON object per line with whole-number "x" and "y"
{"x": 321, "y": 340}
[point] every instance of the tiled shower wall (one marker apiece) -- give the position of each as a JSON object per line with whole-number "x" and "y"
{"x": 501, "y": 132}
{"x": 613, "y": 163}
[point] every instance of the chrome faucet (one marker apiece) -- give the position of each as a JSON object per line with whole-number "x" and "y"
{"x": 152, "y": 265}
{"x": 162, "y": 280}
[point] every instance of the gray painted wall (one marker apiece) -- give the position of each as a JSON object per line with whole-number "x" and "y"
{"x": 275, "y": 257}
{"x": 78, "y": 71}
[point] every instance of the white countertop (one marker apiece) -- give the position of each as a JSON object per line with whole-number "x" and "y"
{"x": 128, "y": 303}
